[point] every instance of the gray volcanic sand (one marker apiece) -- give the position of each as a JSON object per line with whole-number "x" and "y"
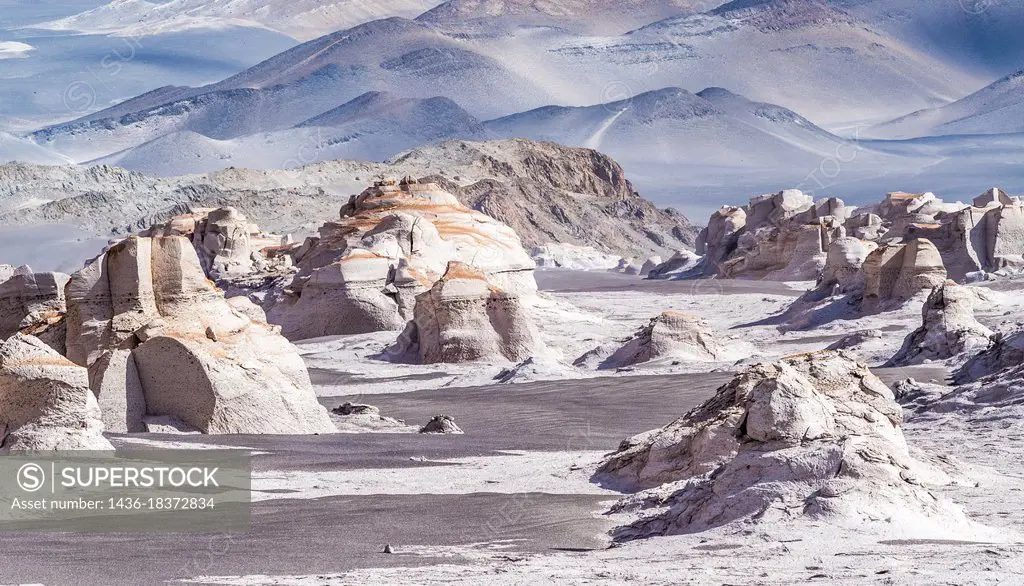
{"x": 335, "y": 534}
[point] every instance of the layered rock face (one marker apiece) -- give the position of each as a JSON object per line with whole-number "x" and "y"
{"x": 898, "y": 272}
{"x": 672, "y": 335}
{"x": 30, "y": 301}
{"x": 716, "y": 242}
{"x": 990, "y": 385}
{"x": 392, "y": 243}
{"x": 45, "y": 400}
{"x": 160, "y": 340}
{"x": 1004, "y": 358}
{"x": 988, "y": 236}
{"x": 843, "y": 271}
{"x": 783, "y": 236}
{"x": 227, "y": 243}
{"x": 812, "y": 435}
{"x": 464, "y": 317}
{"x": 948, "y": 330}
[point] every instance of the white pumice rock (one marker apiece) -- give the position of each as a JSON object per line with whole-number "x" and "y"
{"x": 159, "y": 339}
{"x": 814, "y": 435}
{"x": 227, "y": 243}
{"x": 30, "y": 302}
{"x": 949, "y": 329}
{"x": 895, "y": 273}
{"x": 392, "y": 243}
{"x": 45, "y": 400}
{"x": 464, "y": 317}
{"x": 675, "y": 336}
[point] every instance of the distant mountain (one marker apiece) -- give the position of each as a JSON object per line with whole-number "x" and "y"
{"x": 300, "y": 19}
{"x": 809, "y": 55}
{"x": 547, "y": 192}
{"x": 372, "y": 127}
{"x": 672, "y": 125}
{"x": 610, "y": 17}
{"x": 300, "y": 84}
{"x": 996, "y": 109}
{"x": 976, "y": 35}
{"x": 13, "y": 148}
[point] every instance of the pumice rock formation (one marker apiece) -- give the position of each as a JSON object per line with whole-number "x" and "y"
{"x": 814, "y": 435}
{"x": 228, "y": 244}
{"x": 948, "y": 330}
{"x": 672, "y": 335}
{"x": 988, "y": 236}
{"x": 30, "y": 302}
{"x": 898, "y": 272}
{"x": 45, "y": 400}
{"x": 1005, "y": 354}
{"x": 464, "y": 317}
{"x": 392, "y": 243}
{"x": 781, "y": 236}
{"x": 843, "y": 271}
{"x": 990, "y": 385}
{"x": 160, "y": 340}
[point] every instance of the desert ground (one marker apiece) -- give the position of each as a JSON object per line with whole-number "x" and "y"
{"x": 511, "y": 500}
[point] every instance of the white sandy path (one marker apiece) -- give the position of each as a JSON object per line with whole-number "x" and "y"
{"x": 514, "y": 473}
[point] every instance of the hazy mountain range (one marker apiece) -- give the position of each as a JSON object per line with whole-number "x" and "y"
{"x": 692, "y": 97}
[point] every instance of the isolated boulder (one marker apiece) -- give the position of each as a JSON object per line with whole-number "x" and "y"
{"x": 442, "y": 425}
{"x": 650, "y": 265}
{"x": 393, "y": 242}
{"x": 45, "y": 400}
{"x": 948, "y": 330}
{"x": 681, "y": 264}
{"x": 814, "y": 435}
{"x": 159, "y": 339}
{"x": 30, "y": 301}
{"x": 465, "y": 317}
{"x": 672, "y": 335}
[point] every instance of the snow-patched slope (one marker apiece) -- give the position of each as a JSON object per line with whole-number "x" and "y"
{"x": 996, "y": 109}
{"x": 394, "y": 55}
{"x": 13, "y": 148}
{"x": 672, "y": 125}
{"x": 593, "y": 16}
{"x": 13, "y": 49}
{"x": 371, "y": 127}
{"x": 300, "y": 19}
{"x": 982, "y": 35}
{"x": 808, "y": 55}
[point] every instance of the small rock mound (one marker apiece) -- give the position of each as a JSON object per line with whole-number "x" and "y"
{"x": 45, "y": 400}
{"x": 441, "y": 424}
{"x": 355, "y": 418}
{"x": 671, "y": 335}
{"x": 949, "y": 328}
{"x": 465, "y": 317}
{"x": 813, "y": 435}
